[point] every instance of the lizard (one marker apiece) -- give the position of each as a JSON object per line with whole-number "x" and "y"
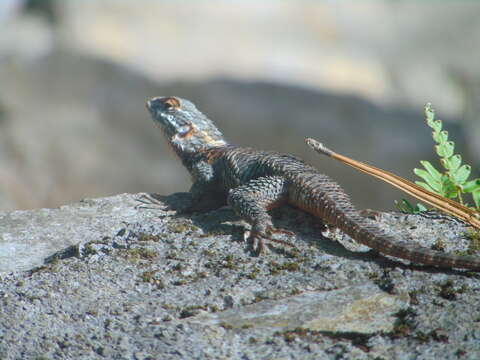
{"x": 253, "y": 182}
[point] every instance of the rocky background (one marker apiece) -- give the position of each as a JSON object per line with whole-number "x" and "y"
{"x": 74, "y": 77}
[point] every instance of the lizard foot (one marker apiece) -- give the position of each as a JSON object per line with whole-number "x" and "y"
{"x": 256, "y": 239}
{"x": 147, "y": 201}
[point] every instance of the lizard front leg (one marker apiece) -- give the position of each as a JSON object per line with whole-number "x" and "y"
{"x": 252, "y": 201}
{"x": 200, "y": 198}
{"x": 204, "y": 194}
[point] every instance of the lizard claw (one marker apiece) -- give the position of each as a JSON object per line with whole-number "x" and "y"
{"x": 256, "y": 239}
{"x": 147, "y": 201}
{"x": 255, "y": 242}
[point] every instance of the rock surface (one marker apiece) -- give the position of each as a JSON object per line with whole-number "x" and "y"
{"x": 27, "y": 238}
{"x": 130, "y": 283}
{"x": 363, "y": 309}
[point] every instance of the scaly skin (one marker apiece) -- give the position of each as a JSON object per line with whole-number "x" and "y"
{"x": 253, "y": 182}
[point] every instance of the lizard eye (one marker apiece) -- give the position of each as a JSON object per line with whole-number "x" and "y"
{"x": 185, "y": 131}
{"x": 171, "y": 103}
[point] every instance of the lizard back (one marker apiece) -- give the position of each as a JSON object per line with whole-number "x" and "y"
{"x": 322, "y": 197}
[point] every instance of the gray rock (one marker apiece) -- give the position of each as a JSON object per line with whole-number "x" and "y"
{"x": 150, "y": 283}
{"x": 27, "y": 238}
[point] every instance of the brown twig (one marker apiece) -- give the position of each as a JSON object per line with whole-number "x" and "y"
{"x": 449, "y": 206}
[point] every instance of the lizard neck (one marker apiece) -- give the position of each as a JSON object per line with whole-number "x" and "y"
{"x": 202, "y": 146}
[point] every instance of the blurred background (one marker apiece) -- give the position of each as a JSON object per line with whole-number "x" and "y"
{"x": 75, "y": 75}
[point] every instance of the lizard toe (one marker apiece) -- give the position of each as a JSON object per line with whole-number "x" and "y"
{"x": 147, "y": 201}
{"x": 256, "y": 239}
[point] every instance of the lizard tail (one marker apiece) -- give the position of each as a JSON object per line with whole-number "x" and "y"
{"x": 328, "y": 201}
{"x": 368, "y": 233}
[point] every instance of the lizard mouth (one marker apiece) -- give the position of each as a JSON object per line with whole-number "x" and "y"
{"x": 148, "y": 105}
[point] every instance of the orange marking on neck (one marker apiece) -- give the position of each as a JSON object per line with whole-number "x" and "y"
{"x": 189, "y": 133}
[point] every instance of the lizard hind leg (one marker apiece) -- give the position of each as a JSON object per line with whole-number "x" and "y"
{"x": 252, "y": 201}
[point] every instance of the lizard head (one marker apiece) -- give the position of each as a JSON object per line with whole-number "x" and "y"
{"x": 186, "y": 128}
